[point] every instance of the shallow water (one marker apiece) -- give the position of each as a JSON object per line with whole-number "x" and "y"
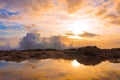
{"x": 58, "y": 69}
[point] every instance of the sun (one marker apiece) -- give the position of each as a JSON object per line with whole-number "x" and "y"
{"x": 75, "y": 63}
{"x": 79, "y": 26}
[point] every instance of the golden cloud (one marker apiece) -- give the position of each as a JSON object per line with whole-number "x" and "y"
{"x": 88, "y": 35}
{"x": 69, "y": 33}
{"x": 72, "y": 6}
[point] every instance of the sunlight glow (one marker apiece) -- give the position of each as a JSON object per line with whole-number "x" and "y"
{"x": 75, "y": 37}
{"x": 79, "y": 26}
{"x": 75, "y": 63}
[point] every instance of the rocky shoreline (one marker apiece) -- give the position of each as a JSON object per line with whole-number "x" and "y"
{"x": 89, "y": 55}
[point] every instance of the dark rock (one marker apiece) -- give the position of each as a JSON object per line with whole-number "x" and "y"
{"x": 90, "y": 55}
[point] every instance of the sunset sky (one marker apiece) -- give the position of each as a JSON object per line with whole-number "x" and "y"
{"x": 31, "y": 24}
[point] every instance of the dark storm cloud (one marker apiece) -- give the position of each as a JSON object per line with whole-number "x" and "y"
{"x": 34, "y": 41}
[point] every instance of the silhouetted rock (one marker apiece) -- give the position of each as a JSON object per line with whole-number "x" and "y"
{"x": 89, "y": 55}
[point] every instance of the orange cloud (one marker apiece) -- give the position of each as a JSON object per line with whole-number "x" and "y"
{"x": 48, "y": 18}
{"x": 72, "y": 5}
{"x": 69, "y": 33}
{"x": 88, "y": 35}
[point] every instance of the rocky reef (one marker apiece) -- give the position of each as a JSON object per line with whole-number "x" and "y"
{"x": 89, "y": 55}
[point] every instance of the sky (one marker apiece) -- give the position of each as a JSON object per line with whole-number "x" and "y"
{"x": 59, "y": 24}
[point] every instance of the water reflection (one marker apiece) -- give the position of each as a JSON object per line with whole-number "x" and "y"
{"x": 75, "y": 63}
{"x": 58, "y": 69}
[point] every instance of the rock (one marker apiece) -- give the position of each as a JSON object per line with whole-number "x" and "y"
{"x": 89, "y": 55}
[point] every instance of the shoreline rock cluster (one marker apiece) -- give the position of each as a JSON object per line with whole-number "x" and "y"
{"x": 89, "y": 55}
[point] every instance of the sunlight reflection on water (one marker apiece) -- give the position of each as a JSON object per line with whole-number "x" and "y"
{"x": 58, "y": 69}
{"x": 75, "y": 63}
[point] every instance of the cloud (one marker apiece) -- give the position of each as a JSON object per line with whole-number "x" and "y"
{"x": 27, "y": 7}
{"x": 31, "y": 11}
{"x": 2, "y": 41}
{"x": 34, "y": 41}
{"x": 49, "y": 19}
{"x": 74, "y": 5}
{"x": 114, "y": 19}
{"x": 101, "y": 12}
{"x": 112, "y": 14}
{"x": 6, "y": 13}
{"x": 26, "y": 4}
{"x": 9, "y": 43}
{"x": 69, "y": 33}
{"x": 116, "y": 5}
{"x": 116, "y": 22}
{"x": 88, "y": 35}
{"x": 1, "y": 5}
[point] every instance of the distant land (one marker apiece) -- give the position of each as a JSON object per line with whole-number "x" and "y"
{"x": 89, "y": 55}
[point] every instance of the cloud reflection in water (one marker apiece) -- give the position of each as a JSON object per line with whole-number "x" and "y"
{"x": 54, "y": 69}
